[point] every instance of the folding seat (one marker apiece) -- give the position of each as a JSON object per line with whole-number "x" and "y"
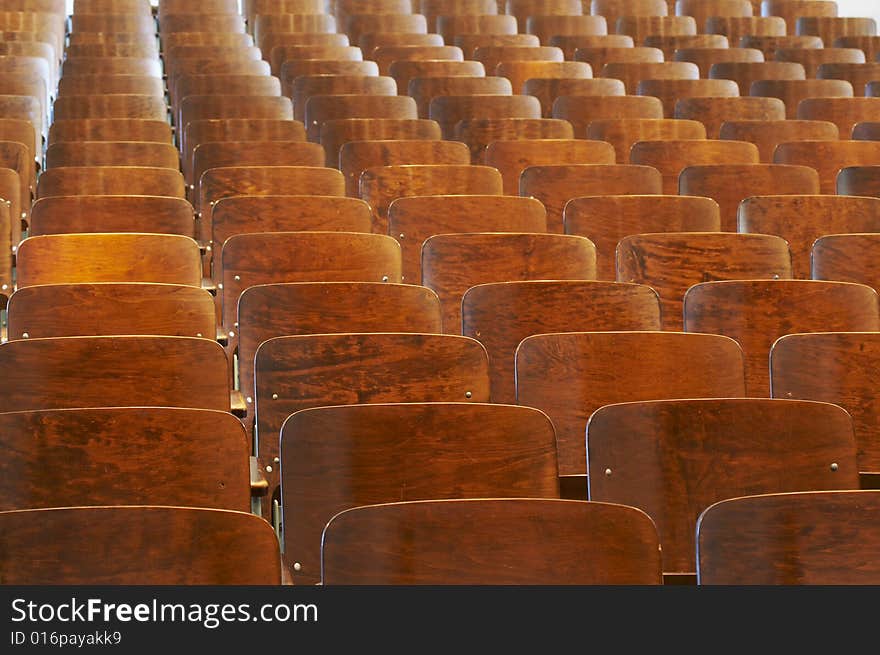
{"x": 111, "y": 181}
{"x": 299, "y": 372}
{"x": 105, "y": 545}
{"x": 866, "y": 131}
{"x": 737, "y": 27}
{"x": 509, "y": 541}
{"x": 405, "y": 70}
{"x": 451, "y": 26}
{"x": 729, "y": 447}
{"x": 110, "y": 129}
{"x": 170, "y": 7}
{"x": 412, "y": 220}
{"x": 336, "y": 133}
{"x": 112, "y": 153}
{"x": 345, "y": 8}
{"x": 839, "y": 368}
{"x": 433, "y": 10}
{"x": 386, "y": 56}
{"x": 767, "y": 134}
{"x": 449, "y": 110}
{"x": 112, "y": 66}
{"x": 870, "y": 45}
{"x": 671, "y": 263}
{"x": 545, "y": 27}
{"x": 23, "y": 132}
{"x": 429, "y": 450}
{"x": 50, "y": 23}
{"x": 729, "y": 184}
{"x": 108, "y": 257}
{"x": 570, "y": 375}
{"x": 112, "y": 50}
{"x": 356, "y": 25}
{"x": 758, "y": 312}
{"x": 705, "y": 58}
{"x": 828, "y": 157}
{"x": 523, "y": 9}
{"x": 425, "y": 89}
{"x": 195, "y": 38}
{"x": 357, "y": 156}
{"x": 500, "y": 315}
{"x": 267, "y": 25}
{"x": 812, "y": 58}
{"x": 251, "y": 8}
{"x": 671, "y": 91}
{"x": 321, "y": 51}
{"x": 807, "y": 538}
{"x": 491, "y": 56}
{"x": 80, "y": 85}
{"x": 580, "y": 111}
{"x": 201, "y": 22}
{"x": 791, "y": 92}
{"x": 370, "y": 41}
{"x": 102, "y": 22}
{"x": 333, "y": 107}
{"x": 546, "y": 90}
{"x": 847, "y": 257}
{"x": 872, "y": 90}
{"x": 791, "y": 10}
{"x": 449, "y": 263}
{"x": 9, "y": 238}
{"x": 816, "y": 216}
{"x": 702, "y": 10}
{"x": 598, "y": 56}
{"x": 859, "y": 181}
{"x": 571, "y": 43}
{"x": 141, "y": 7}
{"x": 859, "y": 75}
{"x": 306, "y": 86}
{"x": 614, "y": 9}
{"x": 668, "y": 44}
{"x": 670, "y": 157}
{"x": 632, "y": 73}
{"x": 223, "y": 84}
{"x": 715, "y": 112}
{"x": 518, "y": 72}
{"x": 831, "y": 28}
{"x": 479, "y": 133}
{"x": 214, "y": 66}
{"x": 844, "y": 112}
{"x": 746, "y": 72}
{"x": 111, "y": 106}
{"x": 383, "y": 184}
{"x": 555, "y": 185}
{"x": 26, "y": 108}
{"x": 605, "y": 220}
{"x": 641, "y": 27}
{"x": 624, "y": 133}
{"x": 13, "y": 217}
{"x": 16, "y": 157}
{"x": 770, "y": 44}
{"x": 512, "y": 157}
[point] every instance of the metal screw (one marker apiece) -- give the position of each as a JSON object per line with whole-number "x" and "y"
{"x": 297, "y": 566}
{"x": 220, "y": 286}
{"x": 384, "y": 278}
{"x": 237, "y": 278}
{"x": 276, "y": 460}
{"x": 235, "y": 325}
{"x": 232, "y": 334}
{"x": 607, "y": 471}
{"x": 198, "y": 334}
{"x": 834, "y": 466}
{"x": 468, "y": 394}
{"x": 274, "y": 396}
{"x": 249, "y": 400}
{"x": 401, "y": 237}
{"x": 25, "y": 335}
{"x": 269, "y": 468}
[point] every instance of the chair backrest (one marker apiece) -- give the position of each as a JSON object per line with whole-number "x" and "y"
{"x": 857, "y": 74}
{"x": 336, "y": 133}
{"x": 546, "y": 90}
{"x": 791, "y": 10}
{"x": 424, "y": 89}
{"x": 807, "y": 538}
{"x": 597, "y": 56}
{"x": 571, "y": 43}
{"x": 306, "y": 86}
{"x": 222, "y": 154}
{"x": 556, "y": 185}
{"x": 501, "y": 315}
{"x": 580, "y": 111}
{"x": 133, "y": 545}
{"x": 757, "y": 312}
{"x": 670, "y": 91}
{"x": 413, "y": 220}
{"x": 859, "y": 181}
{"x": 640, "y": 27}
{"x": 638, "y": 455}
{"x": 831, "y": 28}
{"x": 623, "y": 133}
{"x": 94, "y": 309}
{"x": 333, "y": 107}
{"x": 671, "y": 263}
{"x": 449, "y": 110}
{"x": 737, "y": 28}
{"x": 816, "y": 216}
{"x": 479, "y": 133}
{"x": 114, "y": 371}
{"x": 770, "y": 43}
{"x": 671, "y": 156}
{"x": 631, "y": 73}
{"x": 792, "y": 92}
{"x": 335, "y": 458}
{"x": 124, "y": 456}
{"x": 843, "y": 112}
{"x": 767, "y": 134}
{"x": 77, "y": 214}
{"x": 545, "y": 27}
{"x": 813, "y": 58}
{"x": 834, "y": 367}
{"x": 570, "y": 375}
{"x": 847, "y": 257}
{"x": 510, "y": 541}
{"x": 451, "y": 26}
{"x": 669, "y": 43}
{"x": 828, "y": 158}
{"x": 110, "y": 181}
{"x": 112, "y": 153}
{"x": 613, "y": 9}
{"x": 746, "y": 72}
{"x": 520, "y": 71}
{"x": 110, "y": 129}
{"x": 702, "y": 10}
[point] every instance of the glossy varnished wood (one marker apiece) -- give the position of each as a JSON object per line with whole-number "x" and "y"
{"x": 294, "y": 68}
{"x": 746, "y": 72}
{"x": 623, "y": 133}
{"x": 669, "y": 43}
{"x": 705, "y": 58}
{"x": 791, "y": 10}
{"x": 859, "y": 181}
{"x": 425, "y": 89}
{"x": 449, "y": 110}
{"x": 767, "y": 134}
{"x": 546, "y": 90}
{"x": 848, "y": 257}
{"x": 674, "y": 458}
{"x": 571, "y": 43}
{"x": 222, "y": 154}
{"x": 110, "y": 181}
{"x": 758, "y": 312}
{"x": 791, "y": 92}
{"x": 830, "y": 28}
{"x": 194, "y": 108}
{"x": 101, "y": 84}
{"x": 137, "y": 545}
{"x": 738, "y": 27}
{"x": 671, "y": 91}
{"x": 640, "y": 27}
{"x": 843, "y": 112}
{"x": 828, "y": 157}
{"x": 570, "y": 375}
{"x": 580, "y": 111}
{"x": 479, "y": 133}
{"x": 320, "y": 109}
{"x": 110, "y": 129}
{"x": 599, "y": 55}
{"x": 111, "y": 106}
{"x": 335, "y": 458}
{"x": 71, "y": 214}
{"x": 112, "y": 153}
{"x": 631, "y": 73}
{"x": 306, "y": 86}
{"x": 857, "y": 74}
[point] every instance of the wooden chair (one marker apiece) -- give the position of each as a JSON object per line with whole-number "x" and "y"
{"x": 105, "y": 545}
{"x": 858, "y": 181}
{"x": 816, "y": 538}
{"x": 828, "y": 157}
{"x": 792, "y": 92}
{"x": 356, "y": 25}
{"x": 449, "y": 263}
{"x": 287, "y": 52}
{"x": 381, "y": 185}
{"x": 729, "y": 184}
{"x": 547, "y": 90}
{"x": 406, "y": 70}
{"x": 859, "y": 75}
{"x": 570, "y": 375}
{"x": 111, "y": 106}
{"x": 624, "y": 133}
{"x": 433, "y": 10}
{"x": 149, "y": 66}
{"x": 424, "y": 89}
{"x": 816, "y": 216}
{"x": 545, "y": 26}
{"x": 831, "y": 28}
{"x": 108, "y": 257}
{"x": 571, "y": 43}
{"x": 252, "y": 8}
{"x": 767, "y": 134}
{"x": 491, "y": 56}
{"x": 295, "y": 68}
{"x": 523, "y": 9}
{"x": 250, "y": 259}
{"x": 112, "y": 153}
{"x": 110, "y": 6}
{"x": 746, "y": 72}
{"x": 671, "y": 263}
{"x": 449, "y": 110}
{"x": 477, "y": 134}
{"x": 298, "y": 372}
{"x": 386, "y": 56}
{"x": 206, "y": 22}
{"x": 756, "y": 313}
{"x": 631, "y": 73}
{"x": 111, "y": 181}
{"x": 224, "y": 84}
{"x": 267, "y": 25}
{"x": 357, "y": 156}
{"x": 451, "y": 26}
{"x": 373, "y": 40}
{"x": 599, "y": 56}
{"x": 195, "y": 108}
{"x": 737, "y": 27}
{"x": 770, "y": 44}
{"x": 870, "y": 45}
{"x": 26, "y": 108}
{"x": 333, "y": 107}
{"x": 80, "y": 85}
{"x": 705, "y": 58}
{"x": 812, "y": 58}
{"x": 670, "y": 157}
{"x": 846, "y": 257}
{"x": 48, "y": 23}
{"x": 112, "y": 23}
{"x": 110, "y": 129}
{"x": 182, "y": 38}
{"x": 171, "y": 7}
{"x": 715, "y": 112}
{"x": 23, "y": 132}
{"x": 492, "y": 539}
{"x": 671, "y": 91}
{"x": 605, "y": 220}
{"x": 501, "y": 315}
{"x": 614, "y": 9}
{"x": 668, "y": 44}
{"x": 512, "y": 157}
{"x": 192, "y": 67}
{"x": 638, "y": 455}
{"x": 702, "y": 10}
{"x": 866, "y": 131}
{"x": 518, "y": 72}
{"x": 555, "y": 185}
{"x": 580, "y": 111}
{"x": 839, "y": 368}
{"x": 641, "y": 27}
{"x": 307, "y": 86}
{"x": 843, "y": 112}
{"x": 791, "y": 10}
{"x": 450, "y": 450}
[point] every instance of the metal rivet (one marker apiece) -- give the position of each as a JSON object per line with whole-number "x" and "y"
{"x": 776, "y": 276}
{"x": 401, "y": 236}
{"x": 235, "y": 325}
{"x": 198, "y": 334}
{"x": 276, "y": 460}
{"x": 237, "y": 278}
{"x": 468, "y": 394}
{"x": 384, "y": 278}
{"x": 25, "y": 335}
{"x": 5, "y": 287}
{"x": 249, "y": 400}
{"x": 232, "y": 334}
{"x": 789, "y": 394}
{"x": 274, "y": 396}
{"x": 14, "y": 248}
{"x": 478, "y": 334}
{"x": 220, "y": 286}
{"x": 607, "y": 471}
{"x": 269, "y": 468}
{"x": 207, "y": 248}
{"x": 297, "y": 566}
{"x": 834, "y": 466}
